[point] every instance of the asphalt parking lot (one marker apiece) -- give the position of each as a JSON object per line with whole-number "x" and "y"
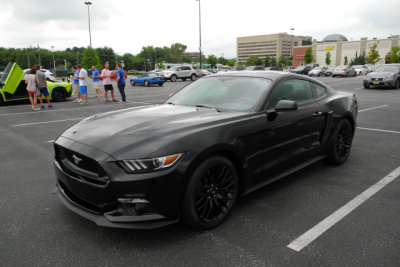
{"x": 36, "y": 229}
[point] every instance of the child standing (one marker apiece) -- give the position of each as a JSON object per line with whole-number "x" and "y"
{"x": 30, "y": 80}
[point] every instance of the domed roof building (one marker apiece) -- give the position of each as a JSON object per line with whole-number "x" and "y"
{"x": 334, "y": 38}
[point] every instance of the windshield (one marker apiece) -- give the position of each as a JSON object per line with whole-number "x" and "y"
{"x": 318, "y": 68}
{"x": 387, "y": 69}
{"x": 226, "y": 93}
{"x": 250, "y": 68}
{"x": 174, "y": 68}
{"x": 357, "y": 66}
{"x": 299, "y": 68}
{"x": 4, "y": 76}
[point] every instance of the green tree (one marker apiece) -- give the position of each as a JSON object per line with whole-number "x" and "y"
{"x": 160, "y": 65}
{"x": 222, "y": 60}
{"x": 346, "y": 60}
{"x": 308, "y": 56}
{"x": 86, "y": 59}
{"x": 267, "y": 62}
{"x": 253, "y": 61}
{"x": 394, "y": 55}
{"x": 212, "y": 60}
{"x": 373, "y": 54}
{"x": 187, "y": 59}
{"x": 328, "y": 58}
{"x": 273, "y": 62}
{"x": 283, "y": 61}
{"x": 230, "y": 62}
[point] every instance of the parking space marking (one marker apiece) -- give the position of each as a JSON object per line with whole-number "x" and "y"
{"x": 373, "y": 108}
{"x": 378, "y": 130}
{"x": 77, "y": 108}
{"x": 44, "y": 122}
{"x": 312, "y": 234}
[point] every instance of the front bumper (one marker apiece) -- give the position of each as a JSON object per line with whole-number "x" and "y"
{"x": 98, "y": 200}
{"x": 380, "y": 83}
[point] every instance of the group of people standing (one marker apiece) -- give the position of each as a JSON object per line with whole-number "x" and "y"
{"x": 80, "y": 79}
{"x": 37, "y": 87}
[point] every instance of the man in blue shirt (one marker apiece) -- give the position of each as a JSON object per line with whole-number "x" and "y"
{"x": 75, "y": 85}
{"x": 96, "y": 81}
{"x": 121, "y": 82}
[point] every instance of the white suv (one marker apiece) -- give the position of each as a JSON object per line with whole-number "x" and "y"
{"x": 181, "y": 72}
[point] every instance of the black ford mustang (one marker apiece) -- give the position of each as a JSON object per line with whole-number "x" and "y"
{"x": 222, "y": 136}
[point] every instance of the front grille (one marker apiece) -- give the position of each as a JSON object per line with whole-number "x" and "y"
{"x": 377, "y": 79}
{"x": 87, "y": 169}
{"x": 84, "y": 204}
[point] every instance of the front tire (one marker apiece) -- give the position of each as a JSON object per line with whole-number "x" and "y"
{"x": 132, "y": 83}
{"x": 397, "y": 84}
{"x": 210, "y": 194}
{"x": 193, "y": 77}
{"x": 58, "y": 94}
{"x": 340, "y": 145}
{"x": 146, "y": 83}
{"x": 160, "y": 84}
{"x": 173, "y": 78}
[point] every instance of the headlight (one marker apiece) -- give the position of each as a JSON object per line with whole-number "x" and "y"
{"x": 390, "y": 77}
{"x": 149, "y": 165}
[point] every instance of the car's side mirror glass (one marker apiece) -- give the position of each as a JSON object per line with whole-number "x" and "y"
{"x": 286, "y": 105}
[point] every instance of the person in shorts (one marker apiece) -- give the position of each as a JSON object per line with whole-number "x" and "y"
{"x": 75, "y": 85}
{"x": 96, "y": 81}
{"x": 121, "y": 82}
{"x": 42, "y": 87}
{"x": 30, "y": 80}
{"x": 83, "y": 77}
{"x": 106, "y": 76}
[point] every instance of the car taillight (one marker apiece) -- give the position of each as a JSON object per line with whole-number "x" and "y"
{"x": 51, "y": 74}
{"x": 153, "y": 79}
{"x": 344, "y": 69}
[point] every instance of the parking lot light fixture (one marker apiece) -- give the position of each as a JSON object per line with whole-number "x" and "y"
{"x": 200, "y": 33}
{"x": 90, "y": 34}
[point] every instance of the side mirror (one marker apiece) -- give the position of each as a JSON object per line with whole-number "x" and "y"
{"x": 286, "y": 105}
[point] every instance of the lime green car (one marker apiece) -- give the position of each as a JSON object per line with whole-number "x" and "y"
{"x": 13, "y": 87}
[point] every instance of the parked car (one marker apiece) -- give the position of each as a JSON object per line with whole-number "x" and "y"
{"x": 288, "y": 69}
{"x": 318, "y": 71}
{"x": 387, "y": 75}
{"x": 191, "y": 157}
{"x": 158, "y": 72}
{"x": 309, "y": 67}
{"x": 344, "y": 71}
{"x": 272, "y": 68}
{"x": 251, "y": 68}
{"x": 181, "y": 72}
{"x": 147, "y": 79}
{"x": 361, "y": 69}
{"x": 49, "y": 74}
{"x": 299, "y": 70}
{"x": 13, "y": 87}
{"x": 329, "y": 71}
{"x": 205, "y": 72}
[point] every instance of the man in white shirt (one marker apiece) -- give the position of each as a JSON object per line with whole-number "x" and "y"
{"x": 83, "y": 77}
{"x": 106, "y": 76}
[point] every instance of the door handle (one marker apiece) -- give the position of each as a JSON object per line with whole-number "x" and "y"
{"x": 317, "y": 113}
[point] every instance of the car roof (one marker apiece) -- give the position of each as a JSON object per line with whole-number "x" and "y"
{"x": 272, "y": 75}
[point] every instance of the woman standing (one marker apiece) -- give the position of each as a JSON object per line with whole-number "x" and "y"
{"x": 30, "y": 80}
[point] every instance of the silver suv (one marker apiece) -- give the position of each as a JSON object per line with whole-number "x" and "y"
{"x": 181, "y": 72}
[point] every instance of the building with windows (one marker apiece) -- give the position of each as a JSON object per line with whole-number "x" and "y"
{"x": 193, "y": 55}
{"x": 271, "y": 45}
{"x": 339, "y": 48}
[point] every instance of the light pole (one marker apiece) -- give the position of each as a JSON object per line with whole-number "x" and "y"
{"x": 200, "y": 32}
{"x": 90, "y": 34}
{"x": 54, "y": 62}
{"x": 65, "y": 64}
{"x": 291, "y": 52}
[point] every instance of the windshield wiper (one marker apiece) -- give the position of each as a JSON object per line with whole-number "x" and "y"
{"x": 170, "y": 103}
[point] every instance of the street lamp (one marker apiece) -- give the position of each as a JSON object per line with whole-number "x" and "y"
{"x": 54, "y": 62}
{"x": 200, "y": 32}
{"x": 65, "y": 64}
{"x": 291, "y": 52}
{"x": 90, "y": 34}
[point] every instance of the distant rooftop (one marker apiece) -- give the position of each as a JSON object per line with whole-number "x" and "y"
{"x": 334, "y": 38}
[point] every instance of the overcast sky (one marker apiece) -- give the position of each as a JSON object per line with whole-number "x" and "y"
{"x": 127, "y": 26}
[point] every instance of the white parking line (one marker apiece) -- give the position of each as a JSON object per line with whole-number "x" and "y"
{"x": 378, "y": 130}
{"x": 373, "y": 108}
{"x": 77, "y": 108}
{"x": 312, "y": 234}
{"x": 44, "y": 122}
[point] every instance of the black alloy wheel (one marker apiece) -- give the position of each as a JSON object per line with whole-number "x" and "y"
{"x": 132, "y": 83}
{"x": 210, "y": 193}
{"x": 173, "y": 78}
{"x": 340, "y": 146}
{"x": 193, "y": 77}
{"x": 59, "y": 94}
{"x": 146, "y": 83}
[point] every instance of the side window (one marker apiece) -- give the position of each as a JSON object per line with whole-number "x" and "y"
{"x": 319, "y": 90}
{"x": 296, "y": 90}
{"x": 186, "y": 68}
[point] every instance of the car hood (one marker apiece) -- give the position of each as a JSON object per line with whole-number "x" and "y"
{"x": 381, "y": 74}
{"x": 144, "y": 130}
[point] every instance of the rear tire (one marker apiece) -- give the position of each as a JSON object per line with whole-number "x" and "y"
{"x": 132, "y": 83}
{"x": 210, "y": 193}
{"x": 59, "y": 94}
{"x": 146, "y": 83}
{"x": 160, "y": 84}
{"x": 340, "y": 145}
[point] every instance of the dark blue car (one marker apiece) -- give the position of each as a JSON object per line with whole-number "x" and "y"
{"x": 147, "y": 79}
